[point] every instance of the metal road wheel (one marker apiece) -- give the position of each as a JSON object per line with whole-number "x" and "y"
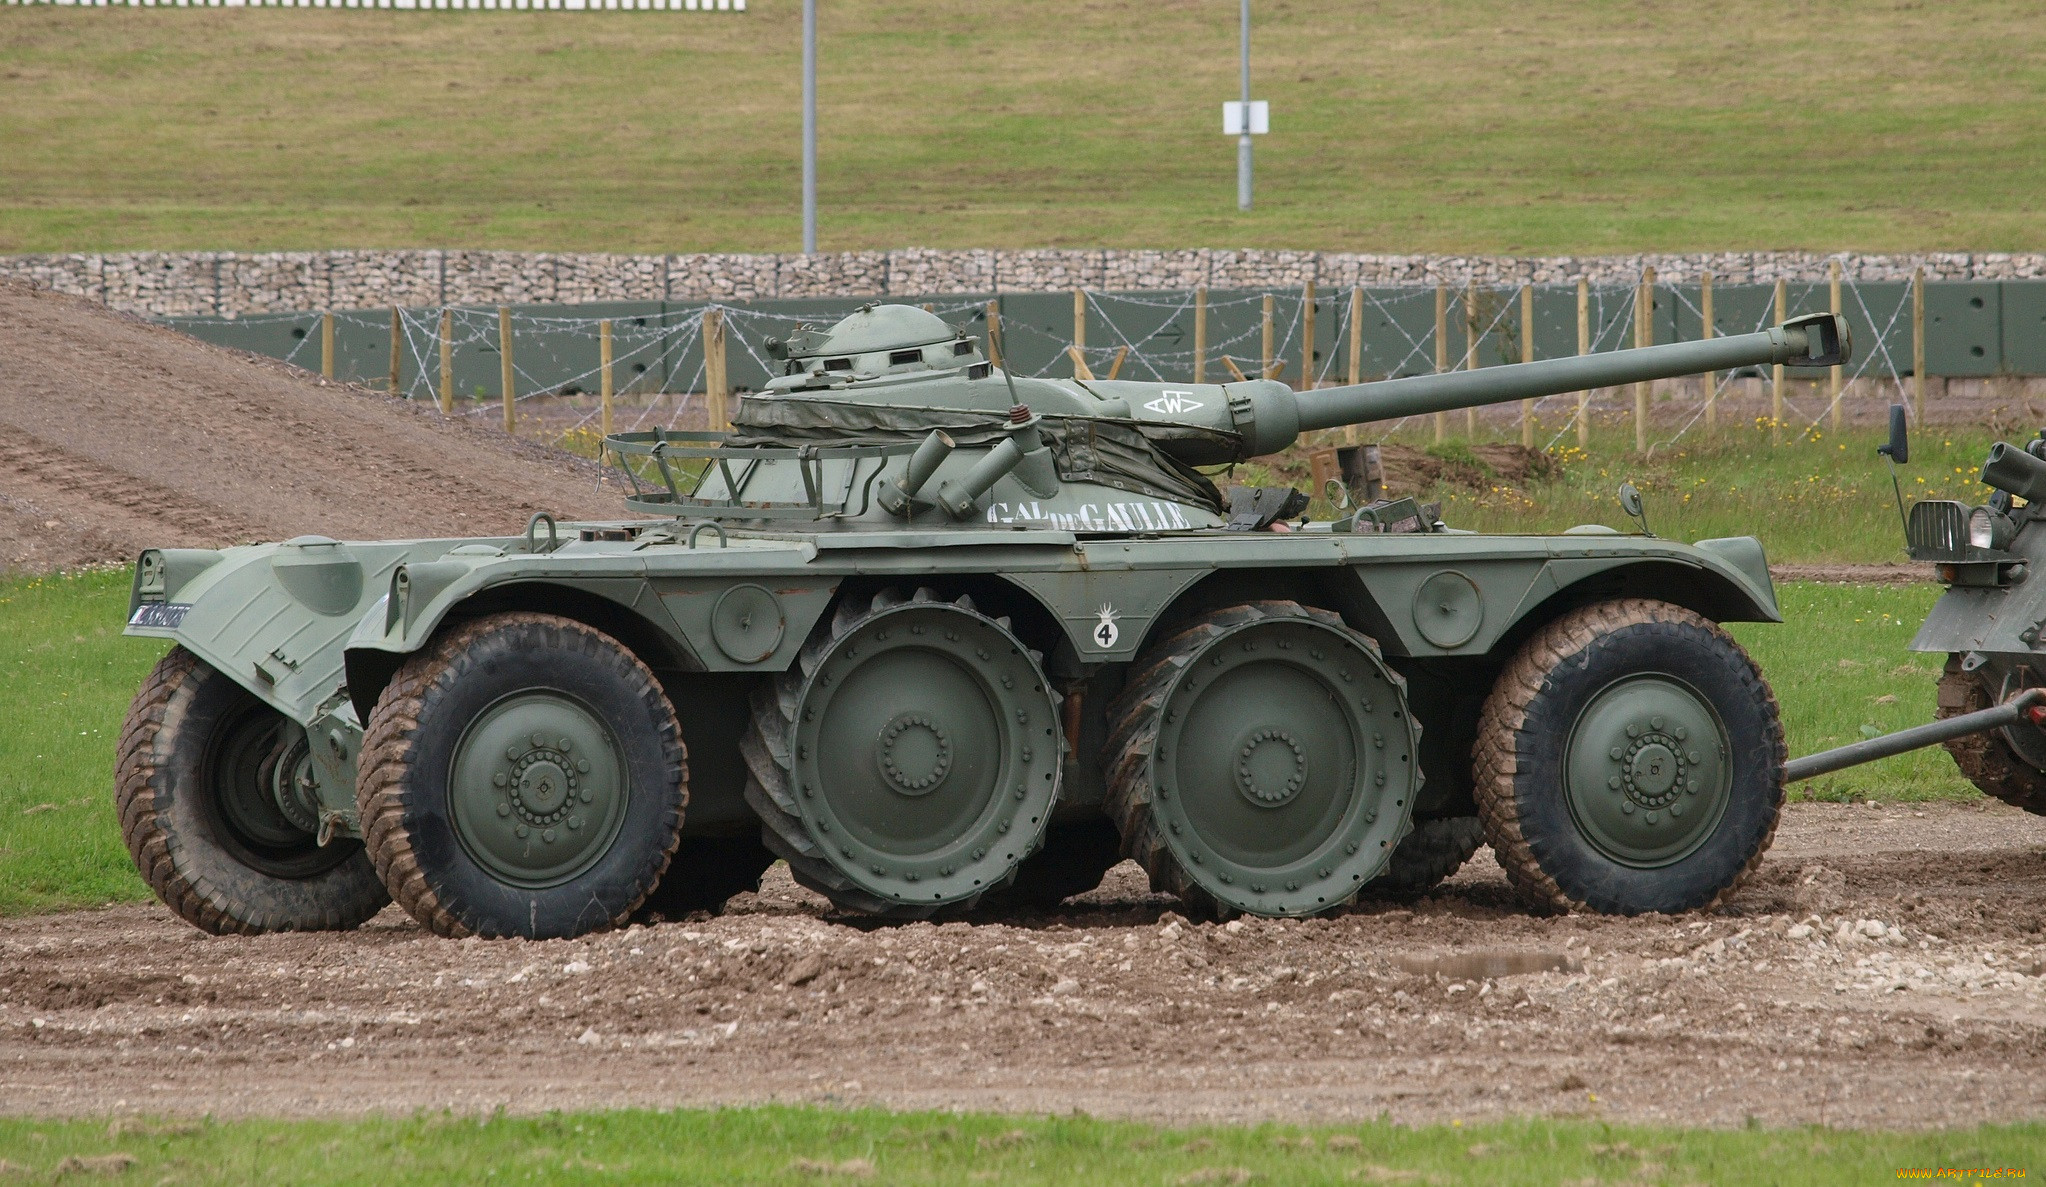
{"x": 909, "y": 761}
{"x": 522, "y": 776}
{"x": 206, "y": 792}
{"x": 1988, "y": 759}
{"x": 1630, "y": 759}
{"x": 1432, "y": 852}
{"x": 1262, "y": 760}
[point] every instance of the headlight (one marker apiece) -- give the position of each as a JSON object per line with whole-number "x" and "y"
{"x": 1987, "y": 529}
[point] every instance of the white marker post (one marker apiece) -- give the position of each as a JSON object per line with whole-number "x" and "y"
{"x": 1245, "y": 119}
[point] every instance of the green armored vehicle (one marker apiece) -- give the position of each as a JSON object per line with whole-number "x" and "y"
{"x": 942, "y": 638}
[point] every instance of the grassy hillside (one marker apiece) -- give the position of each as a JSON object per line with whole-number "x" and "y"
{"x": 1548, "y": 126}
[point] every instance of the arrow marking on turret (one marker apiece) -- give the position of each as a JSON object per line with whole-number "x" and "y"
{"x": 1172, "y": 402}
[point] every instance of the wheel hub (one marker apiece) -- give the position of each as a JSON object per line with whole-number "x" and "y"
{"x": 538, "y": 789}
{"x": 1271, "y": 767}
{"x": 915, "y": 753}
{"x": 1648, "y": 774}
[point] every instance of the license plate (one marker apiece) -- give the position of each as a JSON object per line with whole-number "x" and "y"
{"x": 166, "y": 615}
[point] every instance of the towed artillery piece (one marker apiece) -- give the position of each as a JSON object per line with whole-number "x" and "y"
{"x": 943, "y": 637}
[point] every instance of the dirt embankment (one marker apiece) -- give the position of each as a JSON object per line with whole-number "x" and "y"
{"x": 117, "y": 435}
{"x": 1883, "y": 968}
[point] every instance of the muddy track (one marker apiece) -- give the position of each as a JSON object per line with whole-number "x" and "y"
{"x": 116, "y": 435}
{"x": 57, "y": 477}
{"x": 1880, "y": 969}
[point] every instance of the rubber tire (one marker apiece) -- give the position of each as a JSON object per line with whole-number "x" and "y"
{"x": 1075, "y": 857}
{"x": 409, "y": 747}
{"x": 176, "y": 838}
{"x": 1986, "y": 758}
{"x": 704, "y": 874}
{"x": 1527, "y": 720}
{"x": 1431, "y": 853}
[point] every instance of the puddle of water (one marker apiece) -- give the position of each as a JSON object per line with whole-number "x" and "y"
{"x": 1489, "y": 966}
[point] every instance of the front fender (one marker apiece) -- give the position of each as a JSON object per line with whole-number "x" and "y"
{"x": 664, "y": 605}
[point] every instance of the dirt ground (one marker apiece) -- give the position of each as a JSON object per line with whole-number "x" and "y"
{"x": 1883, "y": 969}
{"x": 116, "y": 435}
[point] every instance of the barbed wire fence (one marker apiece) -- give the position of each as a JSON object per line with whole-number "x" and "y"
{"x": 664, "y": 368}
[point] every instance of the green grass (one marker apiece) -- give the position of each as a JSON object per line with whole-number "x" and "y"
{"x": 1841, "y": 672}
{"x": 808, "y": 1145}
{"x": 66, "y": 677}
{"x": 1545, "y": 127}
{"x": 1813, "y": 499}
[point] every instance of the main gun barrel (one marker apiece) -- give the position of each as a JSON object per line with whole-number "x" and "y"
{"x": 1816, "y": 340}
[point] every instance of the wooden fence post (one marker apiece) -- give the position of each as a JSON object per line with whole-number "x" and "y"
{"x": 604, "y": 388}
{"x": 327, "y": 346}
{"x": 1356, "y": 352}
{"x": 1527, "y": 425}
{"x": 1470, "y": 352}
{"x": 1264, "y": 370}
{"x": 715, "y": 394}
{"x": 1833, "y": 378}
{"x": 1122, "y": 355}
{"x": 1200, "y": 367}
{"x": 994, "y": 332}
{"x": 504, "y": 364}
{"x": 1306, "y": 337}
{"x": 1441, "y": 352}
{"x": 1080, "y": 329}
{"x": 1644, "y": 335}
{"x": 447, "y": 362}
{"x": 1776, "y": 372}
{"x": 1711, "y": 387}
{"x": 1583, "y": 348}
{"x": 397, "y": 341}
{"x": 1918, "y": 342}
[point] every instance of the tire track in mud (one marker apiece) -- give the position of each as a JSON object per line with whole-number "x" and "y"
{"x": 121, "y": 435}
{"x": 51, "y": 477}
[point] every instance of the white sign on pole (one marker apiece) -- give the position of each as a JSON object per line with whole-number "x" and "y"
{"x": 1260, "y": 118}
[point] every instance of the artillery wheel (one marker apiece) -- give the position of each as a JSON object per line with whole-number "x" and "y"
{"x": 196, "y": 791}
{"x": 1432, "y": 852}
{"x": 909, "y": 761}
{"x": 522, "y": 776}
{"x": 705, "y": 873}
{"x": 1988, "y": 759}
{"x": 1630, "y": 759}
{"x": 1074, "y": 858}
{"x": 1262, "y": 760}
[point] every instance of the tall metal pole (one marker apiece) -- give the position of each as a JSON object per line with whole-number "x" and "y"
{"x": 1243, "y": 141}
{"x": 810, "y": 126}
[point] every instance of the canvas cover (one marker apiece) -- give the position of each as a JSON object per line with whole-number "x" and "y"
{"x": 1111, "y": 452}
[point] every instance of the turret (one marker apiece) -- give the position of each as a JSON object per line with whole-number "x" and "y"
{"x": 891, "y": 413}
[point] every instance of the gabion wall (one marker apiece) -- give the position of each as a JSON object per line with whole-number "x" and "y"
{"x": 233, "y": 283}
